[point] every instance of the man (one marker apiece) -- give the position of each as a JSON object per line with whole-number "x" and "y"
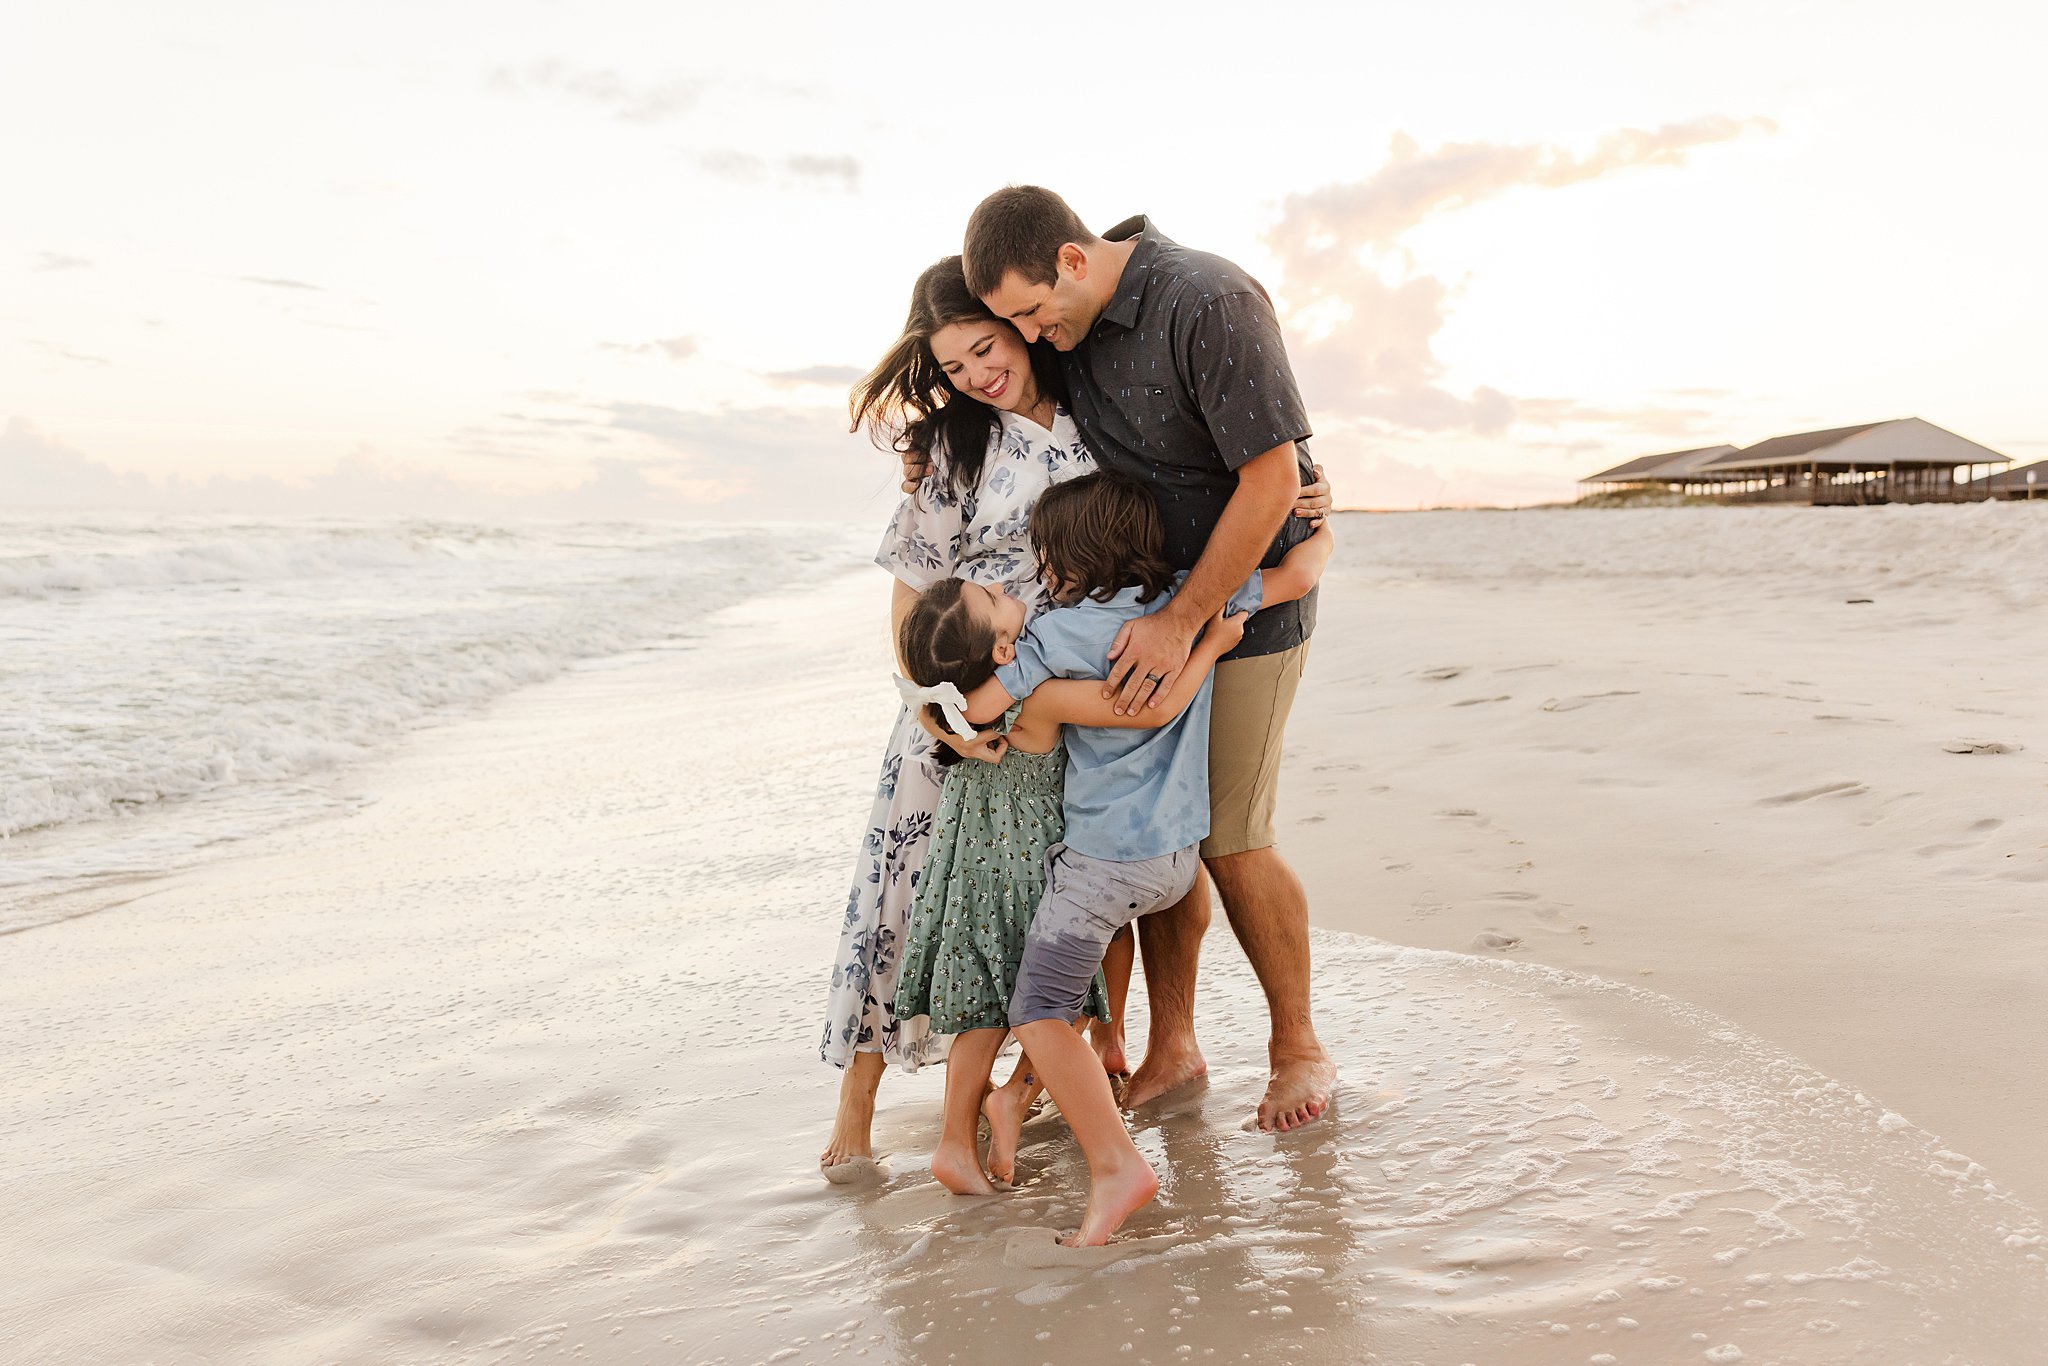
{"x": 1178, "y": 378}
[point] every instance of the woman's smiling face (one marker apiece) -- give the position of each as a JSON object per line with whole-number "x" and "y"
{"x": 986, "y": 360}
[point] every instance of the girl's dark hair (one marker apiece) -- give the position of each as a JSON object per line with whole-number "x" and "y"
{"x": 1102, "y": 533}
{"x": 907, "y": 403}
{"x": 942, "y": 642}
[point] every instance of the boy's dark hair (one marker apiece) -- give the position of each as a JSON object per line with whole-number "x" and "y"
{"x": 1101, "y": 533}
{"x": 1020, "y": 228}
{"x": 942, "y": 642}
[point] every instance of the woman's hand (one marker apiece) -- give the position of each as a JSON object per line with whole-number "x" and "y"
{"x": 1312, "y": 503}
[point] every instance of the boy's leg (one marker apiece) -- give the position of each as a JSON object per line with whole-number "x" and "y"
{"x": 957, "y": 1161}
{"x": 1120, "y": 1181}
{"x": 1086, "y": 902}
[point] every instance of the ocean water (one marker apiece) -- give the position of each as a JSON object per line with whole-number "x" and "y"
{"x": 167, "y": 684}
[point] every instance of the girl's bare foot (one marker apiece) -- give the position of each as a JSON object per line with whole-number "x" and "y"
{"x": 1006, "y": 1109}
{"x": 853, "y": 1125}
{"x": 1113, "y": 1197}
{"x": 959, "y": 1170}
{"x": 1108, "y": 1041}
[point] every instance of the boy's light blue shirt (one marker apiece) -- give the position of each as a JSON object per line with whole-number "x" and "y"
{"x": 1131, "y": 793}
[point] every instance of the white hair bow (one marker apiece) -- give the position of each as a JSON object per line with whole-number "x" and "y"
{"x": 952, "y": 705}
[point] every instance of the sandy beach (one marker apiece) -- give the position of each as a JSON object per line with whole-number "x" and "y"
{"x": 1681, "y": 944}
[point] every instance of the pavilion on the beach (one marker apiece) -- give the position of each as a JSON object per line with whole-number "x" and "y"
{"x": 1905, "y": 460}
{"x": 2028, "y": 481}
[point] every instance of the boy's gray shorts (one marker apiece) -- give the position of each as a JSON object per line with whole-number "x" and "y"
{"x": 1087, "y": 900}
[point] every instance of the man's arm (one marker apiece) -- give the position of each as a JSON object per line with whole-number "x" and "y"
{"x": 1151, "y": 650}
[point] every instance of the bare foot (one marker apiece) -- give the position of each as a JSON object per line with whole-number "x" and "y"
{"x": 959, "y": 1170}
{"x": 1108, "y": 1042}
{"x": 1163, "y": 1072}
{"x": 1299, "y": 1092}
{"x": 1006, "y": 1112}
{"x": 853, "y": 1125}
{"x": 1112, "y": 1198}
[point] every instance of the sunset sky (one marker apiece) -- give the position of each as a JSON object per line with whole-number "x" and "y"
{"x": 614, "y": 259}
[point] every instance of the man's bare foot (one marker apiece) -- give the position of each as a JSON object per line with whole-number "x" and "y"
{"x": 1112, "y": 1198}
{"x": 853, "y": 1125}
{"x": 959, "y": 1170}
{"x": 1006, "y": 1112}
{"x": 1162, "y": 1072}
{"x": 1299, "y": 1091}
{"x": 1108, "y": 1043}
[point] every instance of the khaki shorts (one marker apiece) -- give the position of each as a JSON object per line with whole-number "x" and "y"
{"x": 1247, "y": 722}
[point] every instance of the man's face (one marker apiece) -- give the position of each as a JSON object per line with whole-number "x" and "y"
{"x": 1061, "y": 312}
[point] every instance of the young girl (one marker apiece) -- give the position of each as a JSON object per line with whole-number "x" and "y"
{"x": 996, "y": 825}
{"x": 1136, "y": 801}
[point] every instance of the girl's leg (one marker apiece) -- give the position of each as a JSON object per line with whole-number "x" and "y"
{"x": 852, "y": 1127}
{"x": 957, "y": 1162}
{"x": 1109, "y": 1034}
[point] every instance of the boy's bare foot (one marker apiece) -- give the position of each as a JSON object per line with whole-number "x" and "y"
{"x": 959, "y": 1171}
{"x": 853, "y": 1125}
{"x": 1161, "y": 1073}
{"x": 1108, "y": 1043}
{"x": 1112, "y": 1198}
{"x": 1006, "y": 1112}
{"x": 1299, "y": 1091}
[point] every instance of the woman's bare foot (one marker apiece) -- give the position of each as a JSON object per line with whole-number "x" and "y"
{"x": 1162, "y": 1072}
{"x": 1113, "y": 1197}
{"x": 1006, "y": 1109}
{"x": 958, "y": 1169}
{"x": 853, "y": 1126}
{"x": 1299, "y": 1091}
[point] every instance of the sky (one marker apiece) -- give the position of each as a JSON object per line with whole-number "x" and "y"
{"x": 624, "y": 259}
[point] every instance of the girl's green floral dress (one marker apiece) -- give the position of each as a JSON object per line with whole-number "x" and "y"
{"x": 982, "y": 881}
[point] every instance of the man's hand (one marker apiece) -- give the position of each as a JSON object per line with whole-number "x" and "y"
{"x": 916, "y": 465}
{"x": 1148, "y": 655}
{"x": 1314, "y": 500}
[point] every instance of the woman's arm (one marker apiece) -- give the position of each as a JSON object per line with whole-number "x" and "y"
{"x": 1299, "y": 570}
{"x": 1079, "y": 701}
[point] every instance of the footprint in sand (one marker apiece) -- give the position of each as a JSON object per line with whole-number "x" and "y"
{"x": 1807, "y": 794}
{"x": 1585, "y": 699}
{"x": 1444, "y": 674}
{"x": 1494, "y": 939}
{"x": 1982, "y": 747}
{"x": 1039, "y": 1249}
{"x": 857, "y": 1171}
{"x": 1481, "y": 701}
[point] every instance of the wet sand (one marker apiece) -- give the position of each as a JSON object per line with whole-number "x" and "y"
{"x": 516, "y": 1063}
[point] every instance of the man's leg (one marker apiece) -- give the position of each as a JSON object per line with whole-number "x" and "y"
{"x": 1268, "y": 912}
{"x": 1171, "y": 941}
{"x": 1267, "y": 908}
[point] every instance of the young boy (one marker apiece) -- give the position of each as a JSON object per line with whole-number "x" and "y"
{"x": 1136, "y": 805}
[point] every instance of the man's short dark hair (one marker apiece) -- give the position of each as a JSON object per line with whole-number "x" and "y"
{"x": 1020, "y": 228}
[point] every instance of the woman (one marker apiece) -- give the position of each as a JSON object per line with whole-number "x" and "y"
{"x": 960, "y": 385}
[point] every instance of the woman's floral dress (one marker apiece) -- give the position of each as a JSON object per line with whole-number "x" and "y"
{"x": 979, "y": 536}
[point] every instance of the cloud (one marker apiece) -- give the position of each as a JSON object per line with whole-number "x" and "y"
{"x": 57, "y": 260}
{"x": 650, "y": 102}
{"x": 675, "y": 348}
{"x": 834, "y": 375}
{"x": 275, "y": 282}
{"x": 796, "y": 172}
{"x": 67, "y": 355}
{"x": 36, "y": 471}
{"x": 1368, "y": 320}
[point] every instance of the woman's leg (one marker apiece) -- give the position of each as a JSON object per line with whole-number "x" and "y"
{"x": 957, "y": 1161}
{"x": 853, "y": 1126}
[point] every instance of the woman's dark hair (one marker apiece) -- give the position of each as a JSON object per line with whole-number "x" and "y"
{"x": 942, "y": 642}
{"x": 1101, "y": 533}
{"x": 907, "y": 403}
